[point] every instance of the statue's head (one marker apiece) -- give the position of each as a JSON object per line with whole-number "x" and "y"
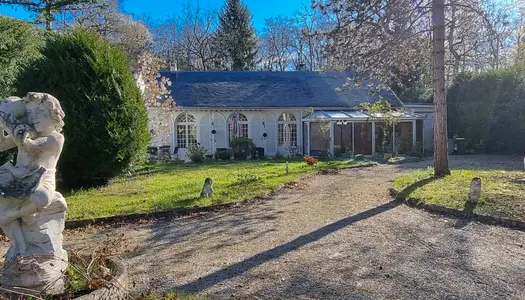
{"x": 44, "y": 112}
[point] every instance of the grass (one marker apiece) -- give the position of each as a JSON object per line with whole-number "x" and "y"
{"x": 502, "y": 195}
{"x": 169, "y": 186}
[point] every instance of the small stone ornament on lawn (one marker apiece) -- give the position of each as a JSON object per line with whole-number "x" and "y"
{"x": 32, "y": 213}
{"x": 475, "y": 190}
{"x": 207, "y": 189}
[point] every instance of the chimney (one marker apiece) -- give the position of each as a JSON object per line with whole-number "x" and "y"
{"x": 300, "y": 67}
{"x": 173, "y": 67}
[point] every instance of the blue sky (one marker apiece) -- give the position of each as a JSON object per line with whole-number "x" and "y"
{"x": 158, "y": 9}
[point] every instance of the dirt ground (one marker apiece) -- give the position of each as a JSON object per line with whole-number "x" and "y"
{"x": 330, "y": 236}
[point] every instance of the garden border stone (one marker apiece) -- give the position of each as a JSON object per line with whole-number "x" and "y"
{"x": 458, "y": 214}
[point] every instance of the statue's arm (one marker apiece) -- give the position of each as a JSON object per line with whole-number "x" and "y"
{"x": 42, "y": 143}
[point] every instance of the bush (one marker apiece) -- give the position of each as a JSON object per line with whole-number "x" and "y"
{"x": 245, "y": 179}
{"x": 242, "y": 147}
{"x": 488, "y": 110}
{"x": 106, "y": 120}
{"x": 224, "y": 154}
{"x": 197, "y": 153}
{"x": 20, "y": 44}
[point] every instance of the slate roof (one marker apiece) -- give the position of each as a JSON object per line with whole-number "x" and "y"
{"x": 229, "y": 89}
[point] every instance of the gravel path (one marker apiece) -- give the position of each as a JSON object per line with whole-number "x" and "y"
{"x": 331, "y": 236}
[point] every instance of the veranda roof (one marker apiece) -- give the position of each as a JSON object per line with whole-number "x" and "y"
{"x": 336, "y": 115}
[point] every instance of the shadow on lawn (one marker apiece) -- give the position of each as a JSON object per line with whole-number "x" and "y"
{"x": 472, "y": 162}
{"x": 163, "y": 168}
{"x": 403, "y": 195}
{"x": 275, "y": 253}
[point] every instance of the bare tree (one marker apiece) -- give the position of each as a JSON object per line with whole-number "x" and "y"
{"x": 196, "y": 36}
{"x": 295, "y": 42}
{"x": 372, "y": 37}
{"x": 499, "y": 28}
{"x": 165, "y": 42}
{"x": 309, "y": 40}
{"x": 519, "y": 51}
{"x": 188, "y": 41}
{"x": 277, "y": 41}
{"x": 99, "y": 17}
{"x": 105, "y": 18}
{"x": 463, "y": 23}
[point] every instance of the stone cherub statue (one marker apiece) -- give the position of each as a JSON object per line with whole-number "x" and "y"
{"x": 32, "y": 213}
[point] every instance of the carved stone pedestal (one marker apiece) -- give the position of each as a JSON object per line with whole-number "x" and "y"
{"x": 42, "y": 265}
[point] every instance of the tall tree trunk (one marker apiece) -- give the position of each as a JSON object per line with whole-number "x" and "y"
{"x": 440, "y": 104}
{"x": 451, "y": 32}
{"x": 48, "y": 16}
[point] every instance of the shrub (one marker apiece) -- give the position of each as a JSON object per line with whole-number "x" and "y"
{"x": 488, "y": 110}
{"x": 242, "y": 147}
{"x": 223, "y": 154}
{"x": 106, "y": 120}
{"x": 197, "y": 153}
{"x": 20, "y": 44}
{"x": 293, "y": 151}
{"x": 311, "y": 161}
{"x": 245, "y": 179}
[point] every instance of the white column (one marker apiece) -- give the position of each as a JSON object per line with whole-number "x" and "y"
{"x": 414, "y": 136}
{"x": 300, "y": 133}
{"x": 308, "y": 138}
{"x": 173, "y": 135}
{"x": 373, "y": 138}
{"x": 332, "y": 137}
{"x": 423, "y": 135}
{"x": 394, "y": 139}
{"x": 212, "y": 136}
{"x": 353, "y": 138}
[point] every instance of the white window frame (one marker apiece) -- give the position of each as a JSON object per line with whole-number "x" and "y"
{"x": 291, "y": 121}
{"x": 186, "y": 126}
{"x": 243, "y": 126}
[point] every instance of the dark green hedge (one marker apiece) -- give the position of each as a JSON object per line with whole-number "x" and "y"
{"x": 106, "y": 121}
{"x": 20, "y": 44}
{"x": 489, "y": 106}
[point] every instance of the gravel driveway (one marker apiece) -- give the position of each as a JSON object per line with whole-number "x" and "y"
{"x": 330, "y": 236}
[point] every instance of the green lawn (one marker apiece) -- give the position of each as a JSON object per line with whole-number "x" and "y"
{"x": 164, "y": 187}
{"x": 503, "y": 192}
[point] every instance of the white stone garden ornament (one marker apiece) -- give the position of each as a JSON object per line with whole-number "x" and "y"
{"x": 32, "y": 213}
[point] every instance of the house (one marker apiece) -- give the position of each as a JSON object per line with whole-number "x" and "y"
{"x": 283, "y": 111}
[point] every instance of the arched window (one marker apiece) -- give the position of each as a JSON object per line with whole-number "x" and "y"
{"x": 238, "y": 125}
{"x": 186, "y": 130}
{"x": 287, "y": 130}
